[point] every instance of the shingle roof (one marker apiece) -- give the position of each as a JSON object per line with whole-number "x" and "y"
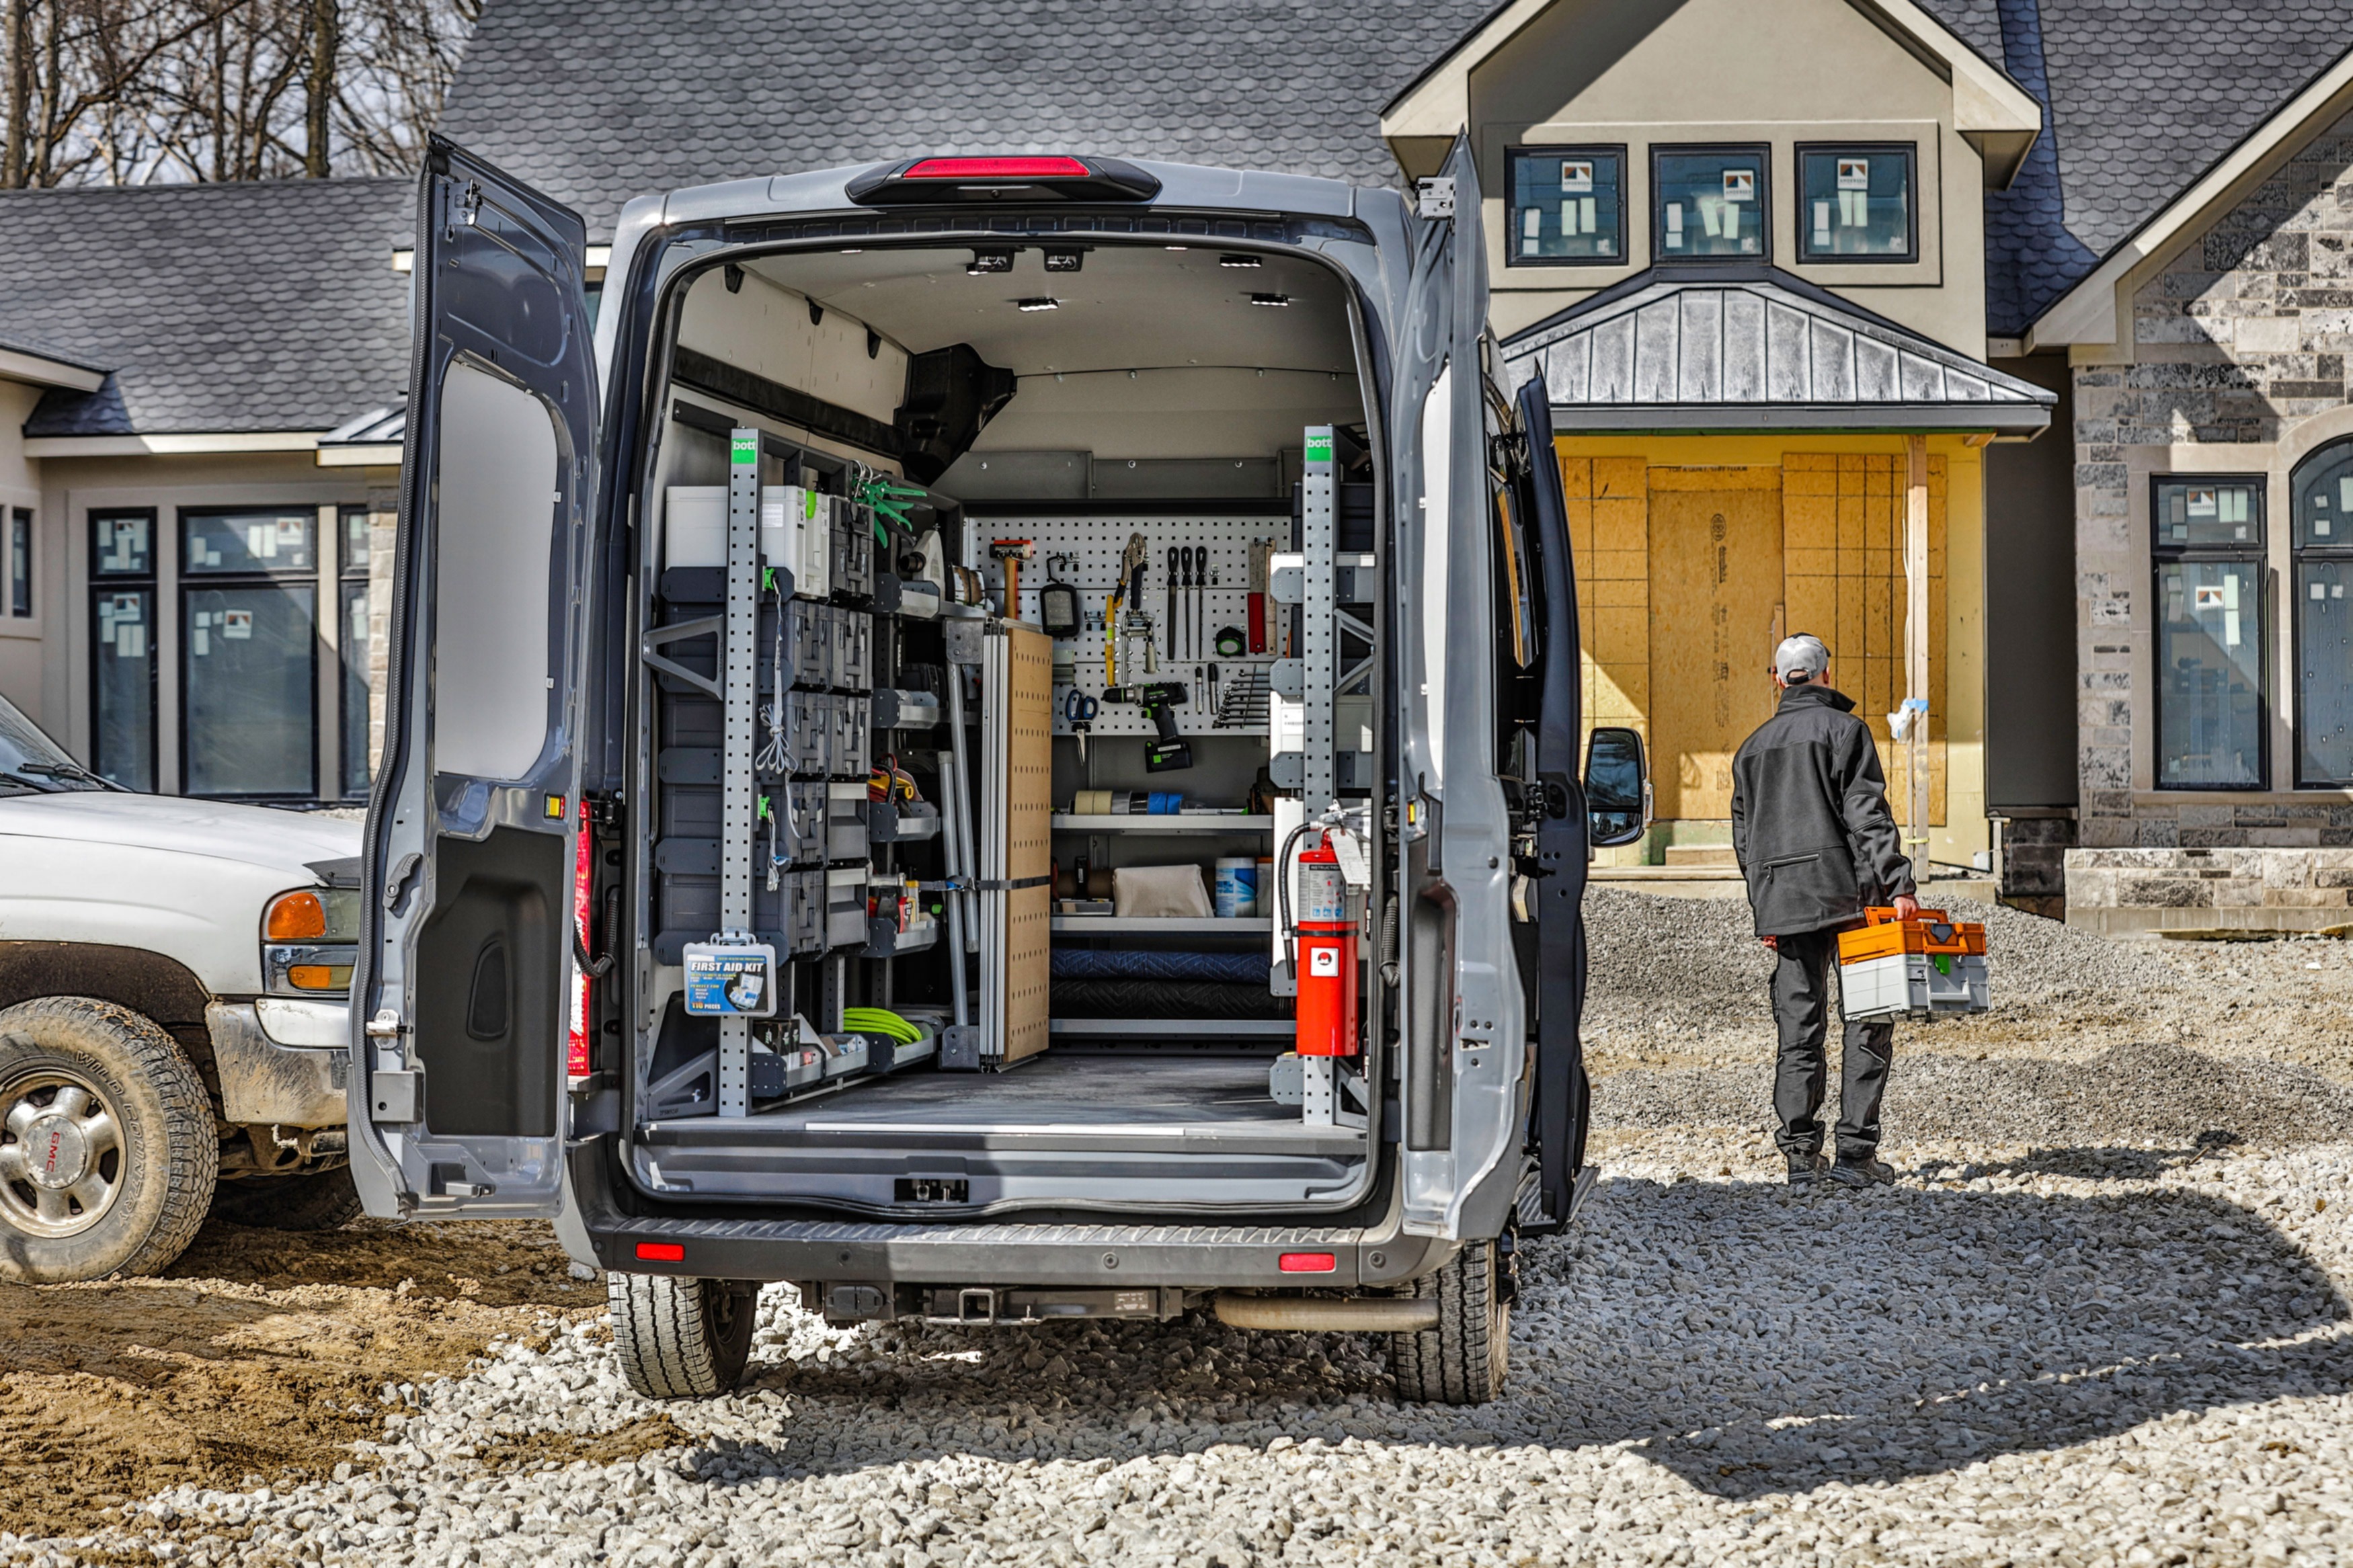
{"x": 226, "y": 308}
{"x": 41, "y": 348}
{"x": 596, "y": 103}
{"x": 1754, "y": 346}
{"x": 2142, "y": 96}
{"x": 1976, "y": 23}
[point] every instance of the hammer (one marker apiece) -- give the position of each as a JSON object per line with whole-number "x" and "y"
{"x": 1012, "y": 553}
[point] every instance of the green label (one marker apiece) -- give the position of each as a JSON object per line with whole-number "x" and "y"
{"x": 745, "y": 450}
{"x": 1319, "y": 449}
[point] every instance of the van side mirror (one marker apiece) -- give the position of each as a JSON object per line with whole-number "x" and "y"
{"x": 1617, "y": 788}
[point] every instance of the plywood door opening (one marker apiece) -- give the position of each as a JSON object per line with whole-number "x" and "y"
{"x": 1717, "y": 602}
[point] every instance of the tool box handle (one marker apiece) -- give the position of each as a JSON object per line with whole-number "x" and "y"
{"x": 1883, "y": 915}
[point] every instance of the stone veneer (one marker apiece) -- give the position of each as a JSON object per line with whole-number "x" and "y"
{"x": 2240, "y": 341}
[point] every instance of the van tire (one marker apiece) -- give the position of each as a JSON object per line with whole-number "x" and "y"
{"x": 154, "y": 1151}
{"x": 680, "y": 1338}
{"x": 1462, "y": 1361}
{"x": 323, "y": 1200}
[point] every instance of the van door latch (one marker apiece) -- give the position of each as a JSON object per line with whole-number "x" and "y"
{"x": 1436, "y": 196}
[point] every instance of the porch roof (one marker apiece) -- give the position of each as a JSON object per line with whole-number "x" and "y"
{"x": 1753, "y": 348}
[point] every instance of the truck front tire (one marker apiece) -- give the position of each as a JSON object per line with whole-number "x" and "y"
{"x": 323, "y": 1200}
{"x": 1462, "y": 1361}
{"x": 679, "y": 1338}
{"x": 108, "y": 1150}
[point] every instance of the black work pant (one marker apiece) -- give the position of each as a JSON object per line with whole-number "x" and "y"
{"x": 1801, "y": 1000}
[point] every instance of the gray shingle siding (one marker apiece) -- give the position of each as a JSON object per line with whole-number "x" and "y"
{"x": 595, "y": 104}
{"x": 217, "y": 309}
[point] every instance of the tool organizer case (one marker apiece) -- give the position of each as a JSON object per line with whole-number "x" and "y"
{"x": 1926, "y": 965}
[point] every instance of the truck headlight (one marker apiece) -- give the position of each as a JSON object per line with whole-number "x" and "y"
{"x": 308, "y": 938}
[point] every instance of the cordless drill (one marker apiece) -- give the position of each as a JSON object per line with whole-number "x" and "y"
{"x": 1171, "y": 752}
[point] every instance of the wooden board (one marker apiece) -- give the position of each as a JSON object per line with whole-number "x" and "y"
{"x": 1715, "y": 603}
{"x": 1028, "y": 848}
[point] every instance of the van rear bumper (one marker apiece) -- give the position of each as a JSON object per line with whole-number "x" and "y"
{"x": 985, "y": 1253}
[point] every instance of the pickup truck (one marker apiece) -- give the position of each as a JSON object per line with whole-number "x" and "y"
{"x": 173, "y": 1024}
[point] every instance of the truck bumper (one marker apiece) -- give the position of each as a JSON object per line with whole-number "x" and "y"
{"x": 1004, "y": 1253}
{"x": 285, "y": 1063}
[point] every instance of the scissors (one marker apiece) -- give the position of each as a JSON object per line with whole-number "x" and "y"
{"x": 1080, "y": 711}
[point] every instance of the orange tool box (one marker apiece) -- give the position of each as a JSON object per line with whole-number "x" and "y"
{"x": 1925, "y": 965}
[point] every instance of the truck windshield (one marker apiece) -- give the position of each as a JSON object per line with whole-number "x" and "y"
{"x": 30, "y": 763}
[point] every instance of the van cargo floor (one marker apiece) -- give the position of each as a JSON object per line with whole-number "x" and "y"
{"x": 1072, "y": 1102}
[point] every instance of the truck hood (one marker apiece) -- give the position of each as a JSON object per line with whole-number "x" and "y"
{"x": 282, "y": 841}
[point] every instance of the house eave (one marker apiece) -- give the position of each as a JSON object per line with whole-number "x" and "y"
{"x": 40, "y": 370}
{"x": 2003, "y": 420}
{"x": 169, "y": 444}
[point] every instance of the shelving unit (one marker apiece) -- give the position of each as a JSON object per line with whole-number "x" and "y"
{"x": 1173, "y": 1026}
{"x": 1198, "y": 822}
{"x": 1159, "y": 925}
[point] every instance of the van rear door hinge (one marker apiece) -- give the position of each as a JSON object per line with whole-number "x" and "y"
{"x": 1436, "y": 196}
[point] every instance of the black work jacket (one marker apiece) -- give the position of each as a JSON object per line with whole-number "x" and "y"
{"x": 1810, "y": 818}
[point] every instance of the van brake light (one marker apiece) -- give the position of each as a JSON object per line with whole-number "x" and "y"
{"x": 576, "y": 1056}
{"x": 1017, "y": 177}
{"x": 998, "y": 169}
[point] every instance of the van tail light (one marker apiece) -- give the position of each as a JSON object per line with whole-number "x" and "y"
{"x": 1308, "y": 1263}
{"x": 661, "y": 1252}
{"x": 1053, "y": 177}
{"x": 576, "y": 1050}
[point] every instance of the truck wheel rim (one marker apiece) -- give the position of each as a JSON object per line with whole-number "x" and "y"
{"x": 62, "y": 1157}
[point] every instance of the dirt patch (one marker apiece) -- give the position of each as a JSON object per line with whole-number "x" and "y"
{"x": 646, "y": 1435}
{"x": 262, "y": 1357}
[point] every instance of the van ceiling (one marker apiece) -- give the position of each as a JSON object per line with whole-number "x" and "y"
{"x": 1129, "y": 307}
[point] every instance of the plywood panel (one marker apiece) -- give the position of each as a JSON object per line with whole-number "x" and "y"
{"x": 1715, "y": 597}
{"x": 1028, "y": 848}
{"x": 1609, "y": 543}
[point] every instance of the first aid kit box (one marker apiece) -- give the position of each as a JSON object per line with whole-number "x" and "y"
{"x": 1922, "y": 966}
{"x": 730, "y": 980}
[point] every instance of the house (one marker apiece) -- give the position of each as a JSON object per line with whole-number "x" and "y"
{"x": 1998, "y": 341}
{"x": 190, "y": 605}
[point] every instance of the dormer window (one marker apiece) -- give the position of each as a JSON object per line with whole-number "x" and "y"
{"x": 1712, "y": 203}
{"x": 1568, "y": 206}
{"x": 1855, "y": 202}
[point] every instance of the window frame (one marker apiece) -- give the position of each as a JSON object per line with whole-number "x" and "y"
{"x": 2298, "y": 553}
{"x": 1761, "y": 151}
{"x": 205, "y": 581}
{"x": 1618, "y": 149}
{"x": 2256, "y": 552}
{"x": 347, "y": 577}
{"x": 21, "y": 527}
{"x": 104, "y": 582}
{"x": 1802, "y": 227}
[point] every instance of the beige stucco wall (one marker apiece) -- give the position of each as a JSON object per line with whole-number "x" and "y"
{"x": 21, "y": 641}
{"x": 1639, "y": 72}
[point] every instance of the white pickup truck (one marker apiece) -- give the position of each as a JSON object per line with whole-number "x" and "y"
{"x": 174, "y": 1028}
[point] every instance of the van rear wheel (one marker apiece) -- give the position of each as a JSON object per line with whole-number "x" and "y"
{"x": 1462, "y": 1361}
{"x": 679, "y": 1338}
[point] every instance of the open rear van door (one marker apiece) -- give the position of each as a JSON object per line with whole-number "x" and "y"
{"x": 1461, "y": 1002}
{"x": 457, "y": 1063}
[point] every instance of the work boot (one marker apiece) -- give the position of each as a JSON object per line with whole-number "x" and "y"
{"x": 1863, "y": 1173}
{"x": 1805, "y": 1170}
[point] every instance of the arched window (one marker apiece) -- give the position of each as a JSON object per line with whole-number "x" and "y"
{"x": 2321, "y": 495}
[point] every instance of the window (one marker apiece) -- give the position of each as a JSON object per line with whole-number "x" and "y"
{"x": 1568, "y": 206}
{"x": 1711, "y": 202}
{"x": 248, "y": 611}
{"x": 1855, "y": 203}
{"x": 20, "y": 562}
{"x": 2208, "y": 549}
{"x": 354, "y": 718}
{"x": 123, "y": 648}
{"x": 2321, "y": 493}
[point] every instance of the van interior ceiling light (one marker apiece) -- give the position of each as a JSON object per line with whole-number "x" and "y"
{"x": 987, "y": 261}
{"x": 1039, "y": 302}
{"x": 1277, "y": 300}
{"x": 1239, "y": 261}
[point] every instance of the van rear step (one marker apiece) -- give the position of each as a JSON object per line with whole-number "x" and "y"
{"x": 986, "y": 1305}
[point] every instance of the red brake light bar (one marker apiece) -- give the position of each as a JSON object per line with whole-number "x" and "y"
{"x": 661, "y": 1251}
{"x": 1013, "y": 177}
{"x": 998, "y": 169}
{"x": 1308, "y": 1263}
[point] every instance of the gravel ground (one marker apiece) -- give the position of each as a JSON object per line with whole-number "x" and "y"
{"x": 2103, "y": 1320}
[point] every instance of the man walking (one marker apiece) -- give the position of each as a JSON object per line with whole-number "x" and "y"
{"x": 1817, "y": 844}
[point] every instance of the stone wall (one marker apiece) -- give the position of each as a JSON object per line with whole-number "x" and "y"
{"x": 2125, "y": 891}
{"x": 2236, "y": 343}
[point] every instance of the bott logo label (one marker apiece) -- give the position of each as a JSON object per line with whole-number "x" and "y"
{"x": 1319, "y": 449}
{"x": 745, "y": 450}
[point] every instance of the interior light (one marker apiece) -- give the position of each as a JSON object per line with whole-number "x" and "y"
{"x": 1269, "y": 299}
{"x": 1239, "y": 261}
{"x": 989, "y": 261}
{"x": 1065, "y": 259}
{"x": 1043, "y": 302}
{"x": 998, "y": 169}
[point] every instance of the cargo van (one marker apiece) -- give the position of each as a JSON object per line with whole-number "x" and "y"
{"x": 995, "y": 737}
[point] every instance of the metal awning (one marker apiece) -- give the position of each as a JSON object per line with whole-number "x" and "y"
{"x": 1690, "y": 348}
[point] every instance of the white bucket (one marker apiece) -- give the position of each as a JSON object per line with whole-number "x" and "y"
{"x": 1237, "y": 885}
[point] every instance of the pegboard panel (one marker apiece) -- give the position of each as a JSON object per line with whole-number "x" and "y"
{"x": 1090, "y": 549}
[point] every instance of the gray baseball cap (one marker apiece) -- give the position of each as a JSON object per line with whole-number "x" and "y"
{"x": 1803, "y": 655}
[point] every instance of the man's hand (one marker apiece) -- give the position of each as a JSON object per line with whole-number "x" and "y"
{"x": 1772, "y": 943}
{"x": 1908, "y": 907}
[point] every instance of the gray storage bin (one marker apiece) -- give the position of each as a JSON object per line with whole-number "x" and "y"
{"x": 805, "y": 911}
{"x": 812, "y": 645}
{"x": 809, "y": 745}
{"x": 845, "y": 906}
{"x": 852, "y": 736}
{"x": 853, "y": 549}
{"x": 845, "y": 822}
{"x": 853, "y": 647}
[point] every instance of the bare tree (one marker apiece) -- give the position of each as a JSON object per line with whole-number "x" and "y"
{"x": 128, "y": 92}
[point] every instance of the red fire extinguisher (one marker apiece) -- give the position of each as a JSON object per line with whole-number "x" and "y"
{"x": 1324, "y": 944}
